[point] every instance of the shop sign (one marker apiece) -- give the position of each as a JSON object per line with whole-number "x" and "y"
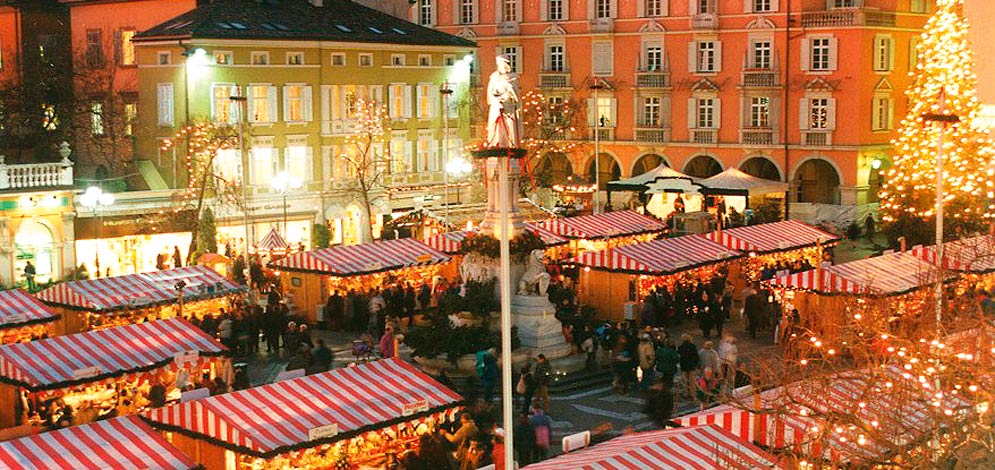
{"x": 16, "y": 318}
{"x": 86, "y": 373}
{"x": 186, "y": 357}
{"x": 321, "y": 432}
{"x": 415, "y": 407}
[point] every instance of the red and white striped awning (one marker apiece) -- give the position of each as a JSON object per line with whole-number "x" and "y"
{"x": 888, "y": 274}
{"x": 139, "y": 290}
{"x": 288, "y": 415}
{"x": 19, "y": 308}
{"x": 699, "y": 447}
{"x": 774, "y": 237}
{"x": 115, "y": 444}
{"x": 366, "y": 258}
{"x": 974, "y": 255}
{"x": 605, "y": 225}
{"x": 658, "y": 257}
{"x": 63, "y": 361}
{"x": 449, "y": 242}
{"x": 273, "y": 241}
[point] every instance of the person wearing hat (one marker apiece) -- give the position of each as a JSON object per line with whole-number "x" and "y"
{"x": 502, "y": 101}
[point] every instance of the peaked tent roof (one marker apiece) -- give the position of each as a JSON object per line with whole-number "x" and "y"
{"x": 273, "y": 241}
{"x": 19, "y": 308}
{"x": 732, "y": 181}
{"x": 365, "y": 258}
{"x": 604, "y": 225}
{"x": 643, "y": 181}
{"x": 659, "y": 257}
{"x": 774, "y": 237}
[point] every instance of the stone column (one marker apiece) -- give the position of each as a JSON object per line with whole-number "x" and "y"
{"x": 492, "y": 219}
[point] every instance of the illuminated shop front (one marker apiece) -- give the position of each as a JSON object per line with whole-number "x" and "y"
{"x": 36, "y": 228}
{"x": 126, "y": 244}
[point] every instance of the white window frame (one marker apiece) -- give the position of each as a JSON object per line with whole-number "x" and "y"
{"x": 97, "y": 118}
{"x": 705, "y": 61}
{"x": 252, "y": 103}
{"x": 425, "y": 13}
{"x": 368, "y": 58}
{"x": 511, "y": 11}
{"x": 919, "y": 6}
{"x": 653, "y": 56}
{"x": 705, "y": 113}
{"x": 167, "y": 55}
{"x": 227, "y": 105}
{"x": 759, "y": 116}
{"x": 761, "y": 54}
{"x": 397, "y": 60}
{"x": 603, "y": 9}
{"x": 819, "y": 55}
{"x": 556, "y": 57}
{"x": 298, "y": 149}
{"x": 424, "y": 60}
{"x": 761, "y": 6}
{"x": 467, "y": 12}
{"x": 652, "y": 107}
{"x": 426, "y": 100}
{"x": 514, "y": 55}
{"x": 305, "y": 98}
{"x": 164, "y": 100}
{"x": 228, "y": 55}
{"x": 654, "y": 8}
{"x": 882, "y": 113}
{"x": 884, "y": 53}
{"x": 299, "y": 55}
{"x": 340, "y": 56}
{"x": 259, "y": 58}
{"x": 818, "y": 122}
{"x": 264, "y": 161}
{"x": 557, "y": 7}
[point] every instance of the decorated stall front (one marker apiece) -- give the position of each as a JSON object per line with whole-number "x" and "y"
{"x": 83, "y": 377}
{"x": 699, "y": 447}
{"x": 114, "y": 444}
{"x": 605, "y": 230}
{"x": 272, "y": 244}
{"x": 357, "y": 417}
{"x": 24, "y": 318}
{"x": 190, "y": 291}
{"x": 614, "y": 280}
{"x": 776, "y": 246}
{"x": 311, "y": 276}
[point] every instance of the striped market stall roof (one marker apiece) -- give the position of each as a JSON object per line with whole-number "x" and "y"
{"x": 606, "y": 225}
{"x": 139, "y": 290}
{"x": 658, "y": 257}
{"x": 19, "y": 308}
{"x": 273, "y": 241}
{"x": 699, "y": 447}
{"x": 64, "y": 361}
{"x": 885, "y": 275}
{"x": 974, "y": 255}
{"x": 308, "y": 411}
{"x": 774, "y": 237}
{"x": 366, "y": 258}
{"x": 119, "y": 444}
{"x": 449, "y": 242}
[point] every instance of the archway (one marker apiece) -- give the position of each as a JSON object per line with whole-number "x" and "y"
{"x": 761, "y": 167}
{"x": 35, "y": 243}
{"x": 817, "y": 182}
{"x": 646, "y": 163}
{"x": 702, "y": 166}
{"x": 609, "y": 170}
{"x": 553, "y": 168}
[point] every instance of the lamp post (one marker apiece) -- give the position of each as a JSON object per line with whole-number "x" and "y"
{"x": 445, "y": 90}
{"x": 96, "y": 199}
{"x": 244, "y": 158}
{"x": 943, "y": 118}
{"x": 597, "y": 146}
{"x": 283, "y": 182}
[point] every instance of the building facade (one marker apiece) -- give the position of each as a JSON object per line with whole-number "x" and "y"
{"x": 805, "y": 91}
{"x": 980, "y": 15}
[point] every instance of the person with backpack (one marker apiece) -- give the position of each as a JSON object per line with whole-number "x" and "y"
{"x": 542, "y": 428}
{"x": 526, "y": 386}
{"x": 667, "y": 362}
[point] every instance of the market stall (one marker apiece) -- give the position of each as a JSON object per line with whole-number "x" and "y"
{"x": 605, "y": 230}
{"x": 740, "y": 190}
{"x": 659, "y": 188}
{"x": 103, "y": 373}
{"x": 273, "y": 244}
{"x": 311, "y": 276}
{"x": 123, "y": 300}
{"x": 114, "y": 444}
{"x": 699, "y": 447}
{"x": 613, "y": 280}
{"x": 343, "y": 418}
{"x": 449, "y": 242}
{"x": 973, "y": 256}
{"x": 776, "y": 246}
{"x": 24, "y": 318}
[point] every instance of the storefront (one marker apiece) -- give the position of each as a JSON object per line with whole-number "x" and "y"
{"x": 123, "y": 300}
{"x": 293, "y": 218}
{"x": 355, "y": 417}
{"x": 36, "y": 228}
{"x": 605, "y": 230}
{"x": 24, "y": 318}
{"x": 103, "y": 373}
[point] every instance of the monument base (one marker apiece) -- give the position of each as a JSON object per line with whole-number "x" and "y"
{"x": 541, "y": 333}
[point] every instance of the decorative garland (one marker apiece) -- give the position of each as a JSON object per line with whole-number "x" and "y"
{"x": 488, "y": 246}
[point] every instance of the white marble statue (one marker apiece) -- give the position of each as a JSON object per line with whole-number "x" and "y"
{"x": 535, "y": 275}
{"x": 502, "y": 100}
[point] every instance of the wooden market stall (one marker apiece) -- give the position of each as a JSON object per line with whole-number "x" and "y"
{"x": 615, "y": 277}
{"x": 350, "y": 417}
{"x": 698, "y": 447}
{"x": 605, "y": 230}
{"x": 309, "y": 277}
{"x": 24, "y": 318}
{"x": 974, "y": 256}
{"x": 104, "y": 371}
{"x": 115, "y": 444}
{"x": 776, "y": 243}
{"x": 449, "y": 242}
{"x": 123, "y": 300}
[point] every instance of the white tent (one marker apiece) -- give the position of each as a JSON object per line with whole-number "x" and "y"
{"x": 735, "y": 182}
{"x": 656, "y": 176}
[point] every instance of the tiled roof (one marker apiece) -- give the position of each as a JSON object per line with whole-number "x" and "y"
{"x": 337, "y": 20}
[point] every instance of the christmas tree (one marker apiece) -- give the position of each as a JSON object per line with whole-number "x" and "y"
{"x": 945, "y": 86}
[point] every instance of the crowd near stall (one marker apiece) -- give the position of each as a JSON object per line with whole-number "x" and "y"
{"x": 24, "y": 318}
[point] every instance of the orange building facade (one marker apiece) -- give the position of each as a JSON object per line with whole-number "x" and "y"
{"x": 805, "y": 91}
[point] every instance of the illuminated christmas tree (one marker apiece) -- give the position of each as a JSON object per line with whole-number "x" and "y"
{"x": 945, "y": 84}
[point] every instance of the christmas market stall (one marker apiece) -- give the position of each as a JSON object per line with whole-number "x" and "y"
{"x": 609, "y": 229}
{"x": 115, "y": 444}
{"x": 79, "y": 378}
{"x": 272, "y": 244}
{"x": 740, "y": 191}
{"x": 24, "y": 318}
{"x": 614, "y": 280}
{"x": 973, "y": 256}
{"x": 660, "y": 188}
{"x": 365, "y": 416}
{"x": 123, "y": 300}
{"x": 698, "y": 447}
{"x": 776, "y": 246}
{"x": 449, "y": 242}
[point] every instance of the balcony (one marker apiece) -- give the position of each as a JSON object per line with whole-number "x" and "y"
{"x": 652, "y": 134}
{"x": 817, "y": 138}
{"x": 37, "y": 175}
{"x": 704, "y": 136}
{"x": 756, "y": 136}
{"x": 603, "y": 133}
{"x": 602, "y": 25}
{"x": 508, "y": 28}
{"x": 653, "y": 79}
{"x": 760, "y": 78}
{"x": 554, "y": 80}
{"x": 847, "y": 17}
{"x": 704, "y": 21}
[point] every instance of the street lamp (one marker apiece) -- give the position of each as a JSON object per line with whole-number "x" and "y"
{"x": 283, "y": 182}
{"x": 445, "y": 90}
{"x": 597, "y": 85}
{"x": 243, "y": 157}
{"x": 96, "y": 199}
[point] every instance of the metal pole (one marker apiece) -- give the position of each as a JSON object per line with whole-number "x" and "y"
{"x": 286, "y": 235}
{"x": 245, "y": 182}
{"x": 445, "y": 144}
{"x": 597, "y": 149}
{"x": 507, "y": 399}
{"x": 939, "y": 230}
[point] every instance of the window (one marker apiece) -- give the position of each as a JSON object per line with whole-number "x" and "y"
{"x": 423, "y": 154}
{"x": 94, "y": 48}
{"x": 223, "y": 58}
{"x": 164, "y": 99}
{"x": 511, "y": 53}
{"x": 263, "y": 164}
{"x": 397, "y": 60}
{"x": 466, "y": 11}
{"x": 365, "y": 60}
{"x": 425, "y": 12}
{"x": 426, "y": 96}
{"x": 97, "y": 118}
{"x": 705, "y": 117}
{"x": 919, "y": 6}
{"x": 556, "y": 58}
{"x": 510, "y": 10}
{"x": 130, "y": 115}
{"x": 295, "y": 58}
{"x": 603, "y": 58}
{"x": 651, "y": 111}
{"x": 296, "y": 103}
{"x": 653, "y": 57}
{"x": 554, "y": 109}
{"x": 399, "y": 96}
{"x": 761, "y": 55}
{"x": 706, "y": 56}
{"x": 653, "y": 7}
{"x": 164, "y": 58}
{"x": 554, "y": 10}
{"x": 605, "y": 111}
{"x": 338, "y": 59}
{"x": 818, "y": 113}
{"x": 844, "y": 3}
{"x": 126, "y": 47}
{"x": 760, "y": 112}
{"x": 449, "y": 60}
{"x": 228, "y": 164}
{"x": 398, "y": 158}
{"x": 913, "y": 52}
{"x": 819, "y": 54}
{"x": 297, "y": 159}
{"x": 760, "y": 6}
{"x": 882, "y": 53}
{"x": 603, "y": 9}
{"x": 262, "y": 103}
{"x": 882, "y": 113}
{"x": 424, "y": 61}
{"x": 260, "y": 58}
{"x": 222, "y": 107}
{"x": 704, "y": 7}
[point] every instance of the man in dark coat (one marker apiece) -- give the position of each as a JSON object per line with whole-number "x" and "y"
{"x": 754, "y": 309}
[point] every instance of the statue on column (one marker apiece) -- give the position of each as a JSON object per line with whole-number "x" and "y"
{"x": 502, "y": 99}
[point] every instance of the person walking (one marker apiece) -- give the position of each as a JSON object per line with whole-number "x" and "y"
{"x": 29, "y": 275}
{"x": 462, "y": 437}
{"x": 708, "y": 387}
{"x": 753, "y": 308}
{"x": 543, "y": 374}
{"x": 647, "y": 362}
{"x": 542, "y": 427}
{"x": 667, "y": 362}
{"x": 708, "y": 357}
{"x": 689, "y": 362}
{"x": 707, "y": 313}
{"x": 728, "y": 357}
{"x": 526, "y": 386}
{"x": 525, "y": 442}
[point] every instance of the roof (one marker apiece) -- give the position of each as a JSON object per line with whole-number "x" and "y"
{"x": 885, "y": 275}
{"x": 658, "y": 257}
{"x": 19, "y": 308}
{"x": 775, "y": 237}
{"x": 643, "y": 181}
{"x": 365, "y": 258}
{"x": 604, "y": 225}
{"x": 699, "y": 447}
{"x": 449, "y": 242}
{"x": 284, "y": 416}
{"x": 64, "y": 361}
{"x": 337, "y": 20}
{"x": 732, "y": 181}
{"x": 272, "y": 241}
{"x": 974, "y": 255}
{"x": 130, "y": 291}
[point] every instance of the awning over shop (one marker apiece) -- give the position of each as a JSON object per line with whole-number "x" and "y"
{"x": 657, "y": 175}
{"x": 658, "y": 257}
{"x": 734, "y": 182}
{"x": 311, "y": 410}
{"x": 974, "y": 255}
{"x": 19, "y": 308}
{"x": 449, "y": 242}
{"x": 96, "y": 355}
{"x": 885, "y": 275}
{"x": 119, "y": 444}
{"x": 700, "y": 447}
{"x": 605, "y": 225}
{"x": 366, "y": 258}
{"x": 139, "y": 290}
{"x": 774, "y": 237}
{"x": 273, "y": 241}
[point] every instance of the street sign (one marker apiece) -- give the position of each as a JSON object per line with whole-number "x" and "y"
{"x": 320, "y": 432}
